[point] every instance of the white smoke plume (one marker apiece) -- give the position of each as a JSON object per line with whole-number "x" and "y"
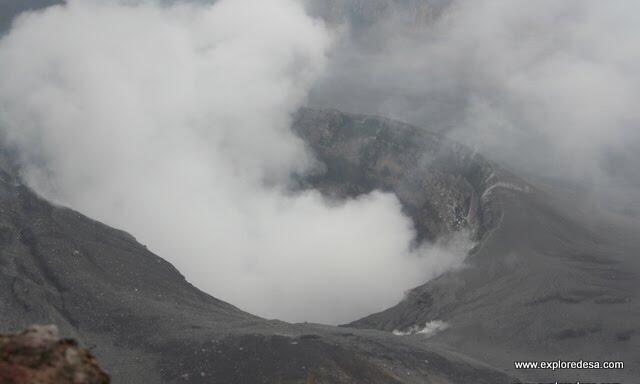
{"x": 172, "y": 122}
{"x": 546, "y": 86}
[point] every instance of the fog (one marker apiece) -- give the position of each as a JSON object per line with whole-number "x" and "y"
{"x": 545, "y": 87}
{"x": 173, "y": 123}
{"x": 171, "y": 120}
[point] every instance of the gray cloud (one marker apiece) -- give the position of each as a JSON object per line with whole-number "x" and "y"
{"x": 545, "y": 86}
{"x": 172, "y": 122}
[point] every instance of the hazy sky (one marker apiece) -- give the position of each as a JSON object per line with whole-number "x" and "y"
{"x": 547, "y": 86}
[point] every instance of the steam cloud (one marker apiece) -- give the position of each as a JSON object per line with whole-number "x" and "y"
{"x": 172, "y": 122}
{"x": 546, "y": 86}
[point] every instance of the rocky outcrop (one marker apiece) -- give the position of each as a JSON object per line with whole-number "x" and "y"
{"x": 38, "y": 356}
{"x": 443, "y": 186}
{"x": 147, "y": 324}
{"x": 541, "y": 281}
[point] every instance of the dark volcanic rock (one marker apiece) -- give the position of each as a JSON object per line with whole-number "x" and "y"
{"x": 39, "y": 356}
{"x": 540, "y": 283}
{"x": 147, "y": 324}
{"x": 547, "y": 278}
{"x": 443, "y": 186}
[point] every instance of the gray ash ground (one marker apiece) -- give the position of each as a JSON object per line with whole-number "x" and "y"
{"x": 146, "y": 323}
{"x": 539, "y": 284}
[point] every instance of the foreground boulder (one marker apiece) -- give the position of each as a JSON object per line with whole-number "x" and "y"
{"x": 38, "y": 355}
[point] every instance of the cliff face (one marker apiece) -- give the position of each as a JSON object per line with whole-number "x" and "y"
{"x": 546, "y": 277}
{"x": 442, "y": 185}
{"x": 540, "y": 282}
{"x": 147, "y": 324}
